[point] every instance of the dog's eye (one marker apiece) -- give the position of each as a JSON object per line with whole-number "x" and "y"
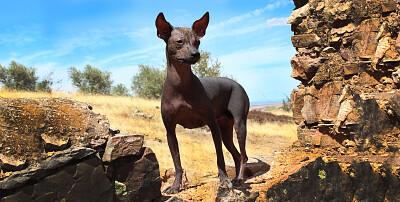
{"x": 179, "y": 42}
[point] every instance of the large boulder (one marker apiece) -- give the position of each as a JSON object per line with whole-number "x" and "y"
{"x": 75, "y": 174}
{"x": 29, "y": 127}
{"x": 341, "y": 180}
{"x": 132, "y": 168}
{"x": 140, "y": 179}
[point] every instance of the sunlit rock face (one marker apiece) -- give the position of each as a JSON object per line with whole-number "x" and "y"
{"x": 348, "y": 63}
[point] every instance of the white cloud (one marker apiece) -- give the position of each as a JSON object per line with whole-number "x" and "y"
{"x": 249, "y": 22}
{"x": 144, "y": 32}
{"x": 254, "y": 57}
{"x": 277, "y": 22}
{"x": 254, "y": 13}
{"x": 29, "y": 58}
{"x": 20, "y": 35}
{"x": 92, "y": 39}
{"x": 247, "y": 28}
{"x": 137, "y": 54}
{"x": 183, "y": 12}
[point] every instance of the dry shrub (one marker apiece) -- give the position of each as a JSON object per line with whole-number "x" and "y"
{"x": 263, "y": 117}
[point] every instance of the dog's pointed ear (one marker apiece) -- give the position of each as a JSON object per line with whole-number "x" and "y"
{"x": 163, "y": 27}
{"x": 199, "y": 27}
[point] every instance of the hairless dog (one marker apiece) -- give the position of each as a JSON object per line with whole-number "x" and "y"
{"x": 220, "y": 103}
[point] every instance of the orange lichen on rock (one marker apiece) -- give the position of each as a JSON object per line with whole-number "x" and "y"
{"x": 24, "y": 123}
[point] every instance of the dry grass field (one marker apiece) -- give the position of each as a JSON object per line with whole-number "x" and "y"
{"x": 196, "y": 146}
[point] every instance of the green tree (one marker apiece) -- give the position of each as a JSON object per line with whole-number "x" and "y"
{"x": 287, "y": 104}
{"x": 3, "y": 74}
{"x": 45, "y": 84}
{"x": 149, "y": 81}
{"x": 207, "y": 67}
{"x": 18, "y": 77}
{"x": 91, "y": 80}
{"x": 120, "y": 90}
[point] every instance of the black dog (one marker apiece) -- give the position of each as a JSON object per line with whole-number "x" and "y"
{"x": 219, "y": 103}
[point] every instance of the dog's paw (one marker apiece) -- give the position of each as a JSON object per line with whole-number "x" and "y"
{"x": 237, "y": 182}
{"x": 171, "y": 190}
{"x": 225, "y": 182}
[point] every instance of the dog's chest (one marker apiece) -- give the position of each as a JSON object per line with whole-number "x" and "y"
{"x": 184, "y": 113}
{"x": 193, "y": 121}
{"x": 189, "y": 116}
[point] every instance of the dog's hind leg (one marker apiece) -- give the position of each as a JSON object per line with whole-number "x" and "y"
{"x": 216, "y": 135}
{"x": 241, "y": 131}
{"x": 226, "y": 126}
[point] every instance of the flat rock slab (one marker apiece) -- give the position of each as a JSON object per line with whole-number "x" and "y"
{"x": 10, "y": 163}
{"x": 255, "y": 166}
{"x": 305, "y": 40}
{"x": 123, "y": 145}
{"x": 83, "y": 180}
{"x": 58, "y": 160}
{"x": 389, "y": 6}
{"x": 54, "y": 143}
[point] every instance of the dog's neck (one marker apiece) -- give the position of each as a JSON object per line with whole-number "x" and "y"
{"x": 179, "y": 74}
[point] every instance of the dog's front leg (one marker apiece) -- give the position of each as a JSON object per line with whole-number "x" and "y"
{"x": 174, "y": 149}
{"x": 216, "y": 134}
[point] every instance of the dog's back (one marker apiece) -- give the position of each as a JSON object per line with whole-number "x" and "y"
{"x": 220, "y": 89}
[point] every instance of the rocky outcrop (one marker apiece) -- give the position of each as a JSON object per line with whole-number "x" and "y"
{"x": 52, "y": 150}
{"x": 30, "y": 127}
{"x": 340, "y": 181}
{"x": 58, "y": 160}
{"x": 304, "y": 174}
{"x": 71, "y": 175}
{"x": 348, "y": 62}
{"x": 347, "y": 105}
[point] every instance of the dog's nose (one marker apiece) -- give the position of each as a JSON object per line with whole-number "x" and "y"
{"x": 195, "y": 54}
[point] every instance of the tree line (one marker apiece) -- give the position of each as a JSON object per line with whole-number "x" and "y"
{"x": 19, "y": 77}
{"x": 146, "y": 83}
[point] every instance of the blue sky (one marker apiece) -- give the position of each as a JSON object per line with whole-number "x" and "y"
{"x": 250, "y": 38}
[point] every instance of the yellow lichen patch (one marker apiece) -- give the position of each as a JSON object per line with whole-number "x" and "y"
{"x": 24, "y": 121}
